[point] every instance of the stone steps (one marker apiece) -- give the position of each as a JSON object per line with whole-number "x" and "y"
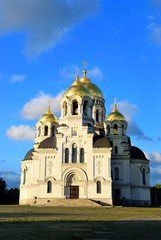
{"x": 67, "y": 202}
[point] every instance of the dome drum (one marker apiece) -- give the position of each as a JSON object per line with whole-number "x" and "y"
{"x": 75, "y": 105}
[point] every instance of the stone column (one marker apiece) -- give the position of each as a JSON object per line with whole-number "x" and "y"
{"x": 94, "y": 113}
{"x": 111, "y": 131}
{"x": 120, "y": 130}
{"x": 69, "y": 109}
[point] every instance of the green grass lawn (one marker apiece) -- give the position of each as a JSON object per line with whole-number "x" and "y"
{"x": 23, "y": 222}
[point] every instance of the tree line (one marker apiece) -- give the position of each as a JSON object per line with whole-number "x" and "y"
{"x": 10, "y": 196}
{"x": 156, "y": 195}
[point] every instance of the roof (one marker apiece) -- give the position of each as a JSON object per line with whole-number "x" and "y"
{"x": 77, "y": 89}
{"x": 49, "y": 142}
{"x": 48, "y": 116}
{"x": 93, "y": 89}
{"x": 115, "y": 115}
{"x": 28, "y": 155}
{"x": 137, "y": 153}
{"x": 100, "y": 142}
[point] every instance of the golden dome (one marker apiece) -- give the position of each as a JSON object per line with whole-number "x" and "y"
{"x": 94, "y": 90}
{"x": 115, "y": 115}
{"x": 77, "y": 89}
{"x": 48, "y": 117}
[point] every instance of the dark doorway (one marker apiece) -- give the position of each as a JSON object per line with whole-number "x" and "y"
{"x": 117, "y": 201}
{"x": 74, "y": 192}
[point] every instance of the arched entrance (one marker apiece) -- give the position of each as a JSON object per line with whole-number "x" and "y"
{"x": 74, "y": 189}
{"x": 75, "y": 183}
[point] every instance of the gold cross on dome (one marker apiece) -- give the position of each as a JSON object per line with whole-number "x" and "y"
{"x": 49, "y": 105}
{"x": 85, "y": 65}
{"x": 115, "y": 105}
{"x": 77, "y": 70}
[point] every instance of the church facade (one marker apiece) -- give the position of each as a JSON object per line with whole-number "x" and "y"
{"x": 83, "y": 155}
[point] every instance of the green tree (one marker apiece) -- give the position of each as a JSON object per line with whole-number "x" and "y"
{"x": 157, "y": 186}
{"x": 3, "y": 191}
{"x": 12, "y": 196}
{"x": 156, "y": 195}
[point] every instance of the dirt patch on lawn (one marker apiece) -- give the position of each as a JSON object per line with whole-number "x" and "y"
{"x": 141, "y": 218}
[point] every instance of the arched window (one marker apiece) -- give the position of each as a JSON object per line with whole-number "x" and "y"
{"x": 116, "y": 150}
{"x": 115, "y": 129}
{"x": 116, "y": 173}
{"x": 85, "y": 108}
{"x": 143, "y": 176}
{"x": 53, "y": 131}
{"x": 74, "y": 153}
{"x": 39, "y": 131}
{"x": 75, "y": 108}
{"x": 65, "y": 108}
{"x": 97, "y": 115}
{"x": 123, "y": 130}
{"x": 49, "y": 187}
{"x": 46, "y": 131}
{"x": 108, "y": 130}
{"x": 81, "y": 155}
{"x": 24, "y": 176}
{"x": 66, "y": 155}
{"x": 98, "y": 187}
{"x": 102, "y": 117}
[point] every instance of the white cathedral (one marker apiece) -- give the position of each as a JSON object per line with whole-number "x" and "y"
{"x": 84, "y": 156}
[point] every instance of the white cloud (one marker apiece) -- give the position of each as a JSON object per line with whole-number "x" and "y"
{"x": 38, "y": 105}
{"x": 70, "y": 72}
{"x": 155, "y": 167}
{"x": 17, "y": 78}
{"x": 156, "y": 34}
{"x": 154, "y": 157}
{"x": 43, "y": 22}
{"x": 156, "y": 3}
{"x": 155, "y": 30}
{"x": 155, "y": 24}
{"x": 21, "y": 132}
{"x": 129, "y": 110}
{"x": 96, "y": 73}
{"x": 159, "y": 170}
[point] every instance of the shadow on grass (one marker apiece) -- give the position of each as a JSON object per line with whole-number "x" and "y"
{"x": 36, "y": 223}
{"x": 78, "y": 230}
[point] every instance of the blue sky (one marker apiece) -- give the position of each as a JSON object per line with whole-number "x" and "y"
{"x": 41, "y": 44}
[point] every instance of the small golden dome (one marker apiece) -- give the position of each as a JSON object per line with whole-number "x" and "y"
{"x": 94, "y": 90}
{"x": 48, "y": 117}
{"x": 84, "y": 79}
{"x": 77, "y": 89}
{"x": 115, "y": 115}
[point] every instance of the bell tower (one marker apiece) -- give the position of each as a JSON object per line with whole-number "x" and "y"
{"x": 98, "y": 111}
{"x": 46, "y": 126}
{"x": 76, "y": 105}
{"x": 115, "y": 131}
